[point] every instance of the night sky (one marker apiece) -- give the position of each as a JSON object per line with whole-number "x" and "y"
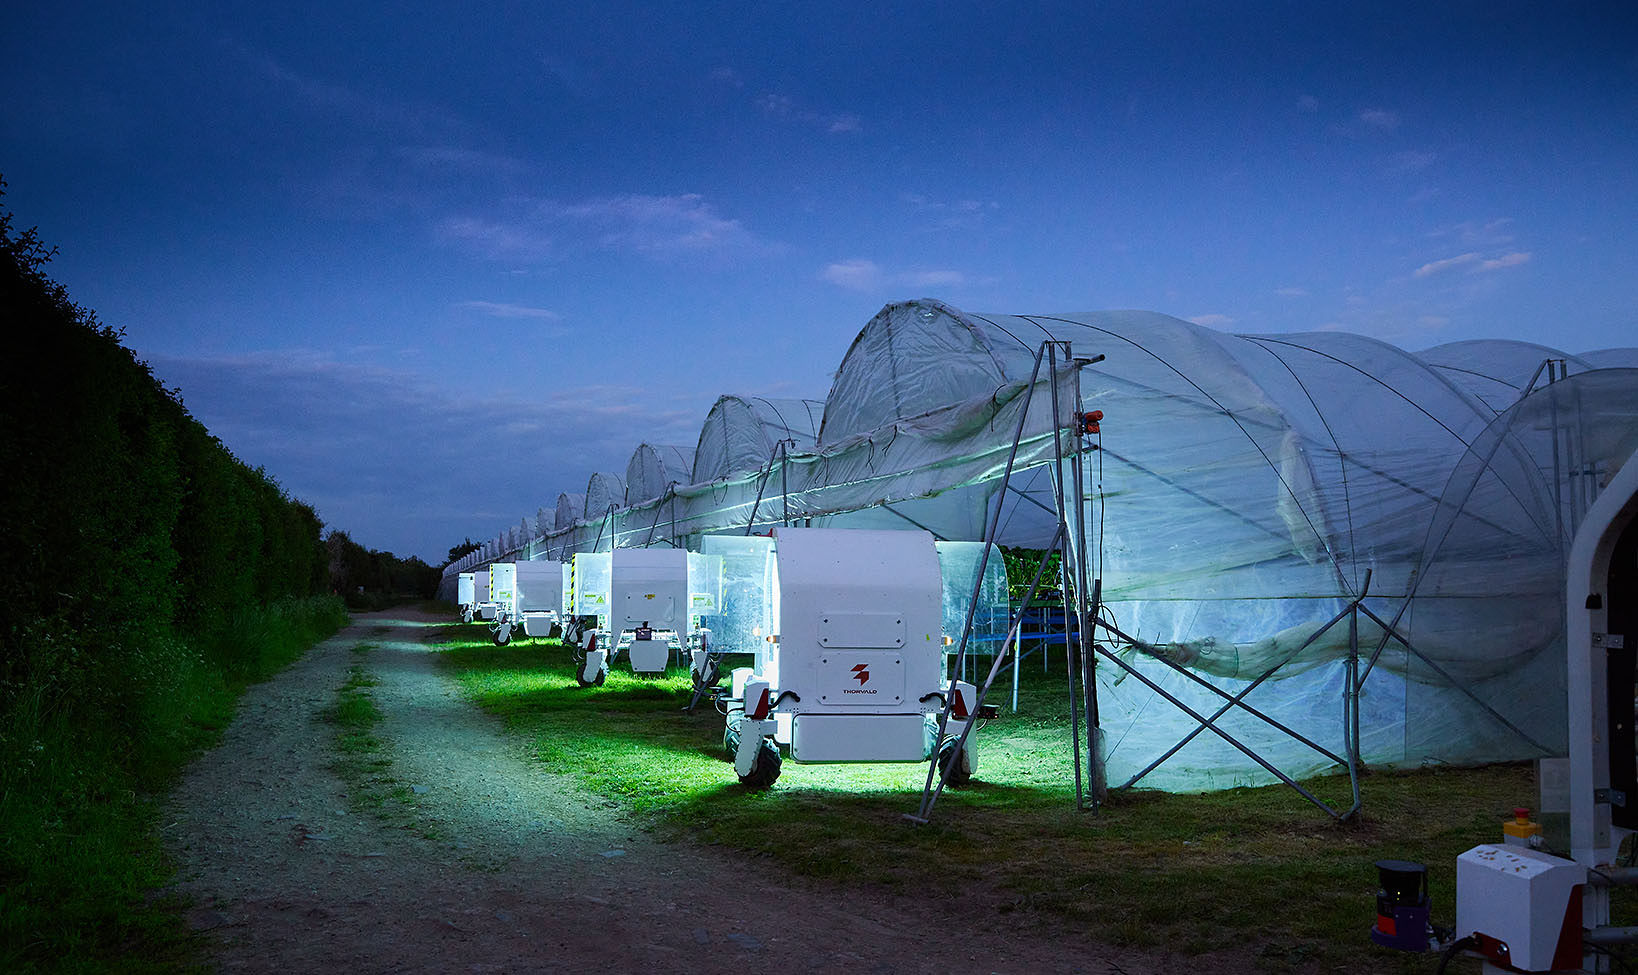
{"x": 434, "y": 263}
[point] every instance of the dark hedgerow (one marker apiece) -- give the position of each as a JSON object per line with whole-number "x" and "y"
{"x": 150, "y": 575}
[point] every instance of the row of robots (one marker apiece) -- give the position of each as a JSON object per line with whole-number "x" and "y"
{"x": 846, "y": 632}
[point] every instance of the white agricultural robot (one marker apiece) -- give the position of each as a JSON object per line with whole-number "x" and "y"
{"x": 483, "y": 604}
{"x": 648, "y": 602}
{"x": 528, "y": 596}
{"x": 466, "y": 595}
{"x": 853, "y": 668}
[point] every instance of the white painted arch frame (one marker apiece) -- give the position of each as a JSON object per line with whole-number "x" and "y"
{"x": 1593, "y": 840}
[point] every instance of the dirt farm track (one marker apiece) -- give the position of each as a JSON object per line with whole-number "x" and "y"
{"x": 512, "y": 869}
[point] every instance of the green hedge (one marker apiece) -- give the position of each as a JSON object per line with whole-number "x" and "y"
{"x": 146, "y": 575}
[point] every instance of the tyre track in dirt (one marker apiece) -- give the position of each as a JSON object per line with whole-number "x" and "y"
{"x": 506, "y": 867}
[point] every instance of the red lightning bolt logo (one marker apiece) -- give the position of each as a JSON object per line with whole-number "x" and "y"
{"x": 862, "y": 672}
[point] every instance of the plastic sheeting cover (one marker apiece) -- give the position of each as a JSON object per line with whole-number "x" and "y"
{"x": 959, "y": 565}
{"x": 740, "y": 432}
{"x": 1249, "y": 483}
{"x": 653, "y": 468}
{"x": 744, "y": 618}
{"x": 605, "y": 492}
{"x": 570, "y": 509}
{"x": 1496, "y": 371}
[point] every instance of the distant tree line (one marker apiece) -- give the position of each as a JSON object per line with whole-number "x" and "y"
{"x": 369, "y": 579}
{"x": 460, "y": 551}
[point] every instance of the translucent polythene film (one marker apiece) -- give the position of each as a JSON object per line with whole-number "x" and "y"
{"x": 744, "y": 617}
{"x": 740, "y": 433}
{"x": 704, "y": 586}
{"x": 570, "y": 509}
{"x": 654, "y": 469}
{"x": 605, "y": 494}
{"x": 959, "y": 564}
{"x": 590, "y": 583}
{"x": 1245, "y": 490}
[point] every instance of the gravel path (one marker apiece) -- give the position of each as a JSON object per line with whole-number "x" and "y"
{"x": 507, "y": 867}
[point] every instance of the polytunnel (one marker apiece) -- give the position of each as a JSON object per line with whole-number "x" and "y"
{"x": 605, "y": 499}
{"x": 1494, "y": 371}
{"x": 654, "y": 469}
{"x": 1246, "y": 492}
{"x": 740, "y": 433}
{"x": 1624, "y": 358}
{"x": 570, "y": 509}
{"x": 1245, "y": 489}
{"x": 605, "y": 492}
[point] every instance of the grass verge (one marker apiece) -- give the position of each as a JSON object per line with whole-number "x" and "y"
{"x": 81, "y": 788}
{"x": 1255, "y": 869}
{"x": 362, "y": 759}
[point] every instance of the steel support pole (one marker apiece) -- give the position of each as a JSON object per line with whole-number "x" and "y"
{"x": 930, "y": 794}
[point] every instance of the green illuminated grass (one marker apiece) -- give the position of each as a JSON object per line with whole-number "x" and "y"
{"x": 1194, "y": 873}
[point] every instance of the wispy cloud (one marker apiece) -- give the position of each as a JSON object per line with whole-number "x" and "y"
{"x": 676, "y": 226}
{"x": 497, "y": 309}
{"x": 1379, "y": 118}
{"x": 394, "y": 459}
{"x": 449, "y": 158}
{"x": 568, "y": 74}
{"x": 1472, "y": 262}
{"x": 652, "y": 224}
{"x": 349, "y": 104}
{"x": 1367, "y": 124}
{"x": 1431, "y": 268}
{"x": 498, "y": 239}
{"x": 1477, "y": 233}
{"x": 788, "y": 109}
{"x": 858, "y": 274}
{"x": 1412, "y": 160}
{"x": 1308, "y": 104}
{"x": 727, "y": 76}
{"x": 1291, "y": 292}
{"x": 1513, "y": 259}
{"x": 961, "y": 214}
{"x": 933, "y": 279}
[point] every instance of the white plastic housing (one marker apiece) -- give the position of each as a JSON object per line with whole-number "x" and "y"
{"x": 466, "y": 589}
{"x": 594, "y": 664}
{"x": 859, "y": 619}
{"x": 648, "y": 656}
{"x": 649, "y": 587}
{"x": 850, "y": 738}
{"x": 539, "y": 587}
{"x": 503, "y": 577}
{"x": 1517, "y": 896}
{"x": 589, "y": 584}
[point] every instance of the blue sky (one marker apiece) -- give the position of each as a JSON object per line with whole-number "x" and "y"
{"x": 433, "y": 263}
